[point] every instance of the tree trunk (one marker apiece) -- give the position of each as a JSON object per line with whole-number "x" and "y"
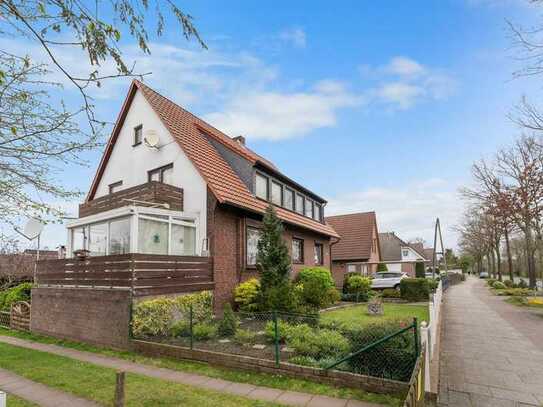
{"x": 509, "y": 258}
{"x": 498, "y": 260}
{"x": 528, "y": 238}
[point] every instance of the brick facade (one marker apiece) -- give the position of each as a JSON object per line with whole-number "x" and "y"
{"x": 96, "y": 316}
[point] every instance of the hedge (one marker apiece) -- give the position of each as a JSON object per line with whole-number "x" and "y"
{"x": 414, "y": 289}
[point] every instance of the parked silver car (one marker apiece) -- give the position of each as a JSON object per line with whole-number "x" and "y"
{"x": 387, "y": 279}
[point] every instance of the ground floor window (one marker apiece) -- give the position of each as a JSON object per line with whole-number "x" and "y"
{"x": 319, "y": 254}
{"x": 297, "y": 250}
{"x": 253, "y": 237}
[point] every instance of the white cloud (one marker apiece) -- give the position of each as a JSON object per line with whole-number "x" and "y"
{"x": 404, "y": 66}
{"x": 294, "y": 36}
{"x": 402, "y": 94}
{"x": 281, "y": 115}
{"x": 408, "y": 210}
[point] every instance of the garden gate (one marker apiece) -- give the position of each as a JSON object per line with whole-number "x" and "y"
{"x": 18, "y": 317}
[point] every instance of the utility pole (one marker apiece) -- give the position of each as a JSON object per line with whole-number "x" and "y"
{"x": 437, "y": 231}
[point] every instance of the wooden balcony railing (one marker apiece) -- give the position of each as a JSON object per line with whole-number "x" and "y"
{"x": 144, "y": 274}
{"x": 153, "y": 191}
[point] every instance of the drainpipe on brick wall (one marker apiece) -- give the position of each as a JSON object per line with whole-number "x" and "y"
{"x": 330, "y": 249}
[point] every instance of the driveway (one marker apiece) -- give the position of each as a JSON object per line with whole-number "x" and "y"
{"x": 489, "y": 352}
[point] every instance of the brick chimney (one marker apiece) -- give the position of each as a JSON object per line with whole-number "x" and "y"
{"x": 240, "y": 140}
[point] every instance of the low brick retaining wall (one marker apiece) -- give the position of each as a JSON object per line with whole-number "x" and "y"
{"x": 334, "y": 377}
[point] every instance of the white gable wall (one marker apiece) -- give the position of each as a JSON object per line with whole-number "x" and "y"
{"x": 130, "y": 164}
{"x": 412, "y": 255}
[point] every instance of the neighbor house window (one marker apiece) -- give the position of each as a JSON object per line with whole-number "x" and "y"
{"x": 317, "y": 212}
{"x": 297, "y": 250}
{"x": 277, "y": 193}
{"x": 138, "y": 134}
{"x": 183, "y": 240}
{"x": 300, "y": 203}
{"x": 308, "y": 208}
{"x": 405, "y": 253}
{"x": 115, "y": 187}
{"x": 319, "y": 250}
{"x": 253, "y": 236}
{"x": 351, "y": 268}
{"x": 152, "y": 236}
{"x": 261, "y": 189}
{"x": 162, "y": 174}
{"x": 80, "y": 238}
{"x": 288, "y": 199}
{"x": 98, "y": 239}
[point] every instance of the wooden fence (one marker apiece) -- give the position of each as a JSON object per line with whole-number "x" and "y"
{"x": 144, "y": 274}
{"x": 416, "y": 393}
{"x": 18, "y": 317}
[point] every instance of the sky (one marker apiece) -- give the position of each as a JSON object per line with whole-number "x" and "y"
{"x": 376, "y": 106}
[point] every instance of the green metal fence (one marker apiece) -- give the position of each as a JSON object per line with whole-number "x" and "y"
{"x": 386, "y": 350}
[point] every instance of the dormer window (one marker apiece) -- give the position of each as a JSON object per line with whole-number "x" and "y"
{"x": 115, "y": 187}
{"x": 261, "y": 187}
{"x": 308, "y": 208}
{"x": 317, "y": 212}
{"x": 288, "y": 199}
{"x": 300, "y": 204}
{"x": 405, "y": 253}
{"x": 138, "y": 135}
{"x": 277, "y": 193}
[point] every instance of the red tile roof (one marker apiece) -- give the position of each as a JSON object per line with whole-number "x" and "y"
{"x": 355, "y": 230}
{"x": 221, "y": 179}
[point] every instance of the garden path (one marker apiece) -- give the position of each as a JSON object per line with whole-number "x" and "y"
{"x": 250, "y": 391}
{"x": 489, "y": 356}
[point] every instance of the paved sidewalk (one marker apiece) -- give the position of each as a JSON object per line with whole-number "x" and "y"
{"x": 39, "y": 393}
{"x": 250, "y": 391}
{"x": 485, "y": 360}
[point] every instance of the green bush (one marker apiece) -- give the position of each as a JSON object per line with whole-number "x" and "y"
{"x": 490, "y": 281}
{"x": 229, "y": 322}
{"x": 382, "y": 267}
{"x": 498, "y": 285}
{"x": 180, "y": 328}
{"x": 12, "y": 295}
{"x": 283, "y": 330}
{"x": 245, "y": 337}
{"x": 317, "y": 343}
{"x": 433, "y": 283}
{"x": 204, "y": 331}
{"x": 390, "y": 293}
{"x": 316, "y": 287}
{"x": 419, "y": 269}
{"x": 522, "y": 284}
{"x": 281, "y": 297}
{"x": 357, "y": 288}
{"x": 524, "y": 292}
{"x": 414, "y": 289}
{"x": 509, "y": 283}
{"x": 156, "y": 317}
{"x": 246, "y": 295}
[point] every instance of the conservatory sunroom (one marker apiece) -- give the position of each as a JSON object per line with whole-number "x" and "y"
{"x": 136, "y": 229}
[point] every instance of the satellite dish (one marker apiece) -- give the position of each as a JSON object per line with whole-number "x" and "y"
{"x": 33, "y": 228}
{"x": 151, "y": 138}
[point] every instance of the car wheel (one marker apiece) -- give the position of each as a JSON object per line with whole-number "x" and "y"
{"x": 397, "y": 287}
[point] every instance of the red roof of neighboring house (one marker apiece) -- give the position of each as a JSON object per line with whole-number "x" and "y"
{"x": 221, "y": 179}
{"x": 356, "y": 232}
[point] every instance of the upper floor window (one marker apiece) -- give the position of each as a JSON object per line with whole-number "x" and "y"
{"x": 253, "y": 236}
{"x": 162, "y": 174}
{"x": 297, "y": 250}
{"x": 405, "y": 253}
{"x": 319, "y": 251}
{"x": 261, "y": 189}
{"x": 277, "y": 193}
{"x": 138, "y": 135}
{"x": 115, "y": 187}
{"x": 288, "y": 199}
{"x": 317, "y": 212}
{"x": 300, "y": 203}
{"x": 308, "y": 208}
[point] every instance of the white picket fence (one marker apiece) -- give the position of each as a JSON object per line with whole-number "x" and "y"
{"x": 429, "y": 332}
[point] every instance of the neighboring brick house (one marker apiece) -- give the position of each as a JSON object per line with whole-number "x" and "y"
{"x": 358, "y": 250}
{"x": 217, "y": 191}
{"x": 399, "y": 255}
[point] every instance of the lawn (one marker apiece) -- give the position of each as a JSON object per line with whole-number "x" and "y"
{"x": 357, "y": 315}
{"x": 98, "y": 383}
{"x": 14, "y": 401}
{"x": 260, "y": 379}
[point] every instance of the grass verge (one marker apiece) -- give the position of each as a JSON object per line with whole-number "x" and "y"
{"x": 14, "y": 401}
{"x": 357, "y": 316}
{"x": 98, "y": 383}
{"x": 259, "y": 379}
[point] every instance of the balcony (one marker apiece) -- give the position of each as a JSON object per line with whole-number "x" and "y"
{"x": 150, "y": 192}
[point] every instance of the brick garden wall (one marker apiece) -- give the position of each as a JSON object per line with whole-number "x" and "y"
{"x": 372, "y": 384}
{"x": 96, "y": 316}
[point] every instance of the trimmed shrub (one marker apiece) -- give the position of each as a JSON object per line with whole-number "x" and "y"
{"x": 514, "y": 292}
{"x": 246, "y": 295}
{"x": 419, "y": 269}
{"x": 382, "y": 267}
{"x": 316, "y": 287}
{"x": 414, "y": 289}
{"x": 357, "y": 288}
{"x": 319, "y": 343}
{"x": 245, "y": 337}
{"x": 433, "y": 283}
{"x": 508, "y": 283}
{"x": 390, "y": 293}
{"x": 283, "y": 330}
{"x": 203, "y": 331}
{"x": 498, "y": 285}
{"x": 180, "y": 328}
{"x": 490, "y": 281}
{"x": 12, "y": 295}
{"x": 229, "y": 322}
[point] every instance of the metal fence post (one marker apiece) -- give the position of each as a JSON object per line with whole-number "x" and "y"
{"x": 191, "y": 326}
{"x": 276, "y": 337}
{"x": 119, "y": 390}
{"x": 416, "y": 334}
